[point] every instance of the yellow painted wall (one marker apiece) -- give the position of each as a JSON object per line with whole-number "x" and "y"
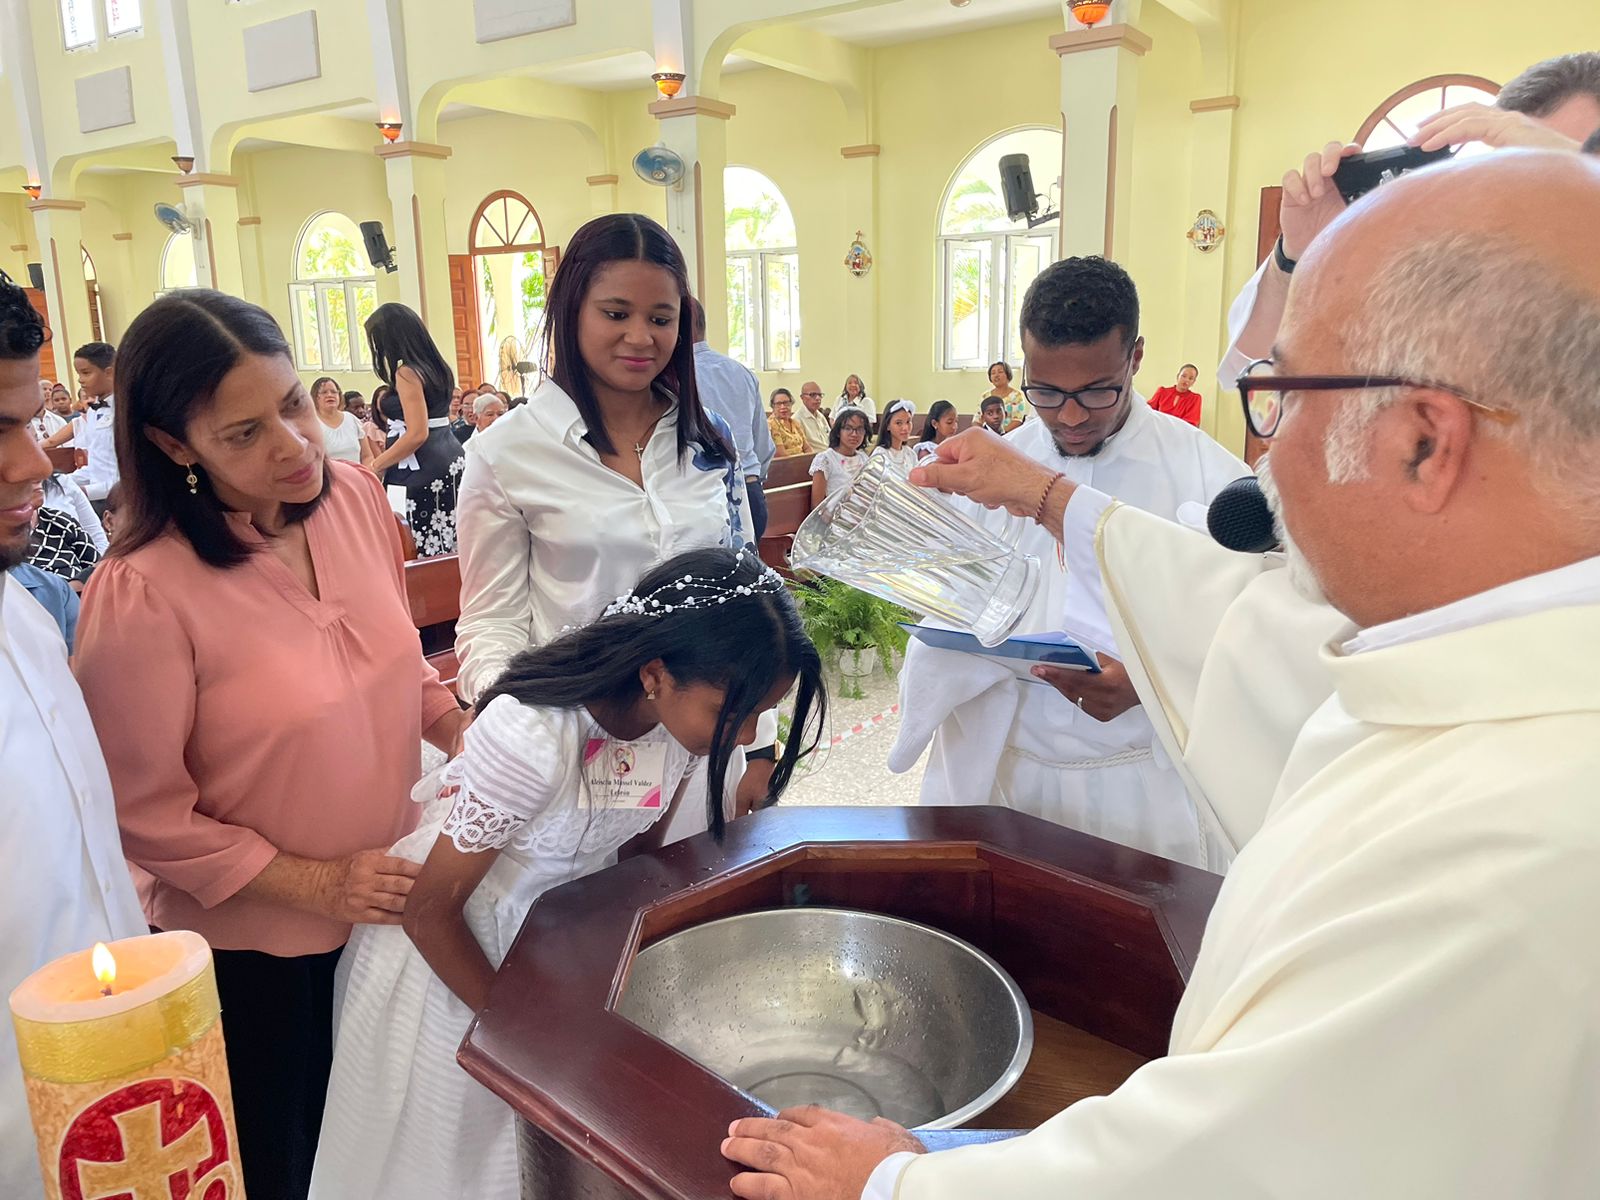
{"x": 543, "y": 160}
{"x": 286, "y": 188}
{"x": 936, "y": 102}
{"x": 790, "y": 129}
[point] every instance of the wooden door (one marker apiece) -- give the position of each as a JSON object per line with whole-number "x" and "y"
{"x": 96, "y": 324}
{"x": 1269, "y": 227}
{"x": 47, "y": 356}
{"x": 464, "y": 313}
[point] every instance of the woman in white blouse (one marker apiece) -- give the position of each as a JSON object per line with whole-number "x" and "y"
{"x": 836, "y": 467}
{"x": 854, "y": 395}
{"x": 342, "y": 435}
{"x": 894, "y": 442}
{"x": 612, "y": 465}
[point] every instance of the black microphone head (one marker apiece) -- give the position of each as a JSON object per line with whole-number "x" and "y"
{"x": 1240, "y": 518}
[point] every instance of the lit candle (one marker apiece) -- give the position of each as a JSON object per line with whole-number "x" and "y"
{"x": 127, "y": 1078}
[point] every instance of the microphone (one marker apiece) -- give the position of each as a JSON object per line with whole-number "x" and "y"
{"x": 1240, "y": 518}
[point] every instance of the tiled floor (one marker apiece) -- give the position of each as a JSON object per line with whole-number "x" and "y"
{"x": 853, "y": 769}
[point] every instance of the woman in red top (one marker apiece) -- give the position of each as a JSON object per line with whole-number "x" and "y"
{"x": 1180, "y": 401}
{"x": 255, "y": 679}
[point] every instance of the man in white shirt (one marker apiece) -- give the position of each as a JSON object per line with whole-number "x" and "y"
{"x": 1396, "y": 994}
{"x": 731, "y": 390}
{"x": 1074, "y": 748}
{"x": 1553, "y": 105}
{"x": 813, "y": 419}
{"x": 63, "y": 882}
{"x": 95, "y": 429}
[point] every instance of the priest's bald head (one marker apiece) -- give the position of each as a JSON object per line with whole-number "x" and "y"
{"x": 1479, "y": 283}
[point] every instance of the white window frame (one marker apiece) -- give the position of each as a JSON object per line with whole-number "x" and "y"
{"x": 130, "y": 31}
{"x": 322, "y": 289}
{"x": 758, "y": 263}
{"x": 996, "y": 331}
{"x": 166, "y": 251}
{"x": 93, "y": 38}
{"x": 99, "y": 21}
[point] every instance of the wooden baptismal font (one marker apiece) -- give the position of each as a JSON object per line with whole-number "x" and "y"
{"x": 1099, "y": 938}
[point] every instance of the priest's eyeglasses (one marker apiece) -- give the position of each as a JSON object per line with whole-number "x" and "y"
{"x": 1263, "y": 393}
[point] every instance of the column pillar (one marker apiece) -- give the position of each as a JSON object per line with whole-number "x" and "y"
{"x": 1099, "y": 93}
{"x": 211, "y": 202}
{"x": 416, "y": 177}
{"x": 602, "y": 194}
{"x": 1205, "y": 275}
{"x": 255, "y": 286}
{"x": 58, "y": 225}
{"x": 697, "y": 128}
{"x": 861, "y": 293}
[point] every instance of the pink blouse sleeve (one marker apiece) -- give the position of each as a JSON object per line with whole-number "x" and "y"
{"x": 135, "y": 664}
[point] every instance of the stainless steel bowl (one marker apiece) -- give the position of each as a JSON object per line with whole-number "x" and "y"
{"x": 862, "y": 1013}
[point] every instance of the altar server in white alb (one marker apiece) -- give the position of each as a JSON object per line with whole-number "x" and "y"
{"x": 1398, "y": 994}
{"x": 1083, "y": 756}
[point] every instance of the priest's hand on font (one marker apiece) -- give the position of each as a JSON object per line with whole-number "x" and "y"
{"x": 811, "y": 1153}
{"x": 1104, "y": 697}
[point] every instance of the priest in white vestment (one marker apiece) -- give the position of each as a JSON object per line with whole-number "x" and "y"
{"x": 1093, "y": 766}
{"x": 64, "y": 884}
{"x": 1398, "y": 994}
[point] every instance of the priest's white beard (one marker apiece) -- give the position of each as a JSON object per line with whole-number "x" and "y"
{"x": 1301, "y": 574}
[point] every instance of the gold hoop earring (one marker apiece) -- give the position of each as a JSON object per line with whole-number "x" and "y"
{"x": 193, "y": 481}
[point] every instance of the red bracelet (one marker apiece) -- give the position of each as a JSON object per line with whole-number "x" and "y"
{"x": 1038, "y": 512}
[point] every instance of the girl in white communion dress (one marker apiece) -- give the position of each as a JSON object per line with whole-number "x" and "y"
{"x": 577, "y": 752}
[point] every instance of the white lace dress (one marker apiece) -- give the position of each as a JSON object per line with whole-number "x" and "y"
{"x": 403, "y": 1120}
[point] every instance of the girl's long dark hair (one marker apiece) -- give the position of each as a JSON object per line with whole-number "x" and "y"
{"x": 624, "y": 237}
{"x": 940, "y": 407}
{"x": 745, "y": 645}
{"x": 397, "y": 337}
{"x": 172, "y": 360}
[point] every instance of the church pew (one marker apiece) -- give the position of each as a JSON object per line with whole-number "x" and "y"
{"x": 433, "y": 589}
{"x": 787, "y": 507}
{"x": 63, "y": 459}
{"x": 787, "y": 471}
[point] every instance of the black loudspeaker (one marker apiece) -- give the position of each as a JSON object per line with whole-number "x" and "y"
{"x": 1016, "y": 184}
{"x": 36, "y": 276}
{"x": 378, "y": 249}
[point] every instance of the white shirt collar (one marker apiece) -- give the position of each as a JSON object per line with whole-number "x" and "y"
{"x": 1566, "y": 587}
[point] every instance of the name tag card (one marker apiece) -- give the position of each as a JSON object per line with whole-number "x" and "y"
{"x": 624, "y": 774}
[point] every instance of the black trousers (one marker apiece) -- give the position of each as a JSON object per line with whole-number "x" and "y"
{"x": 277, "y": 1016}
{"x": 758, "y": 507}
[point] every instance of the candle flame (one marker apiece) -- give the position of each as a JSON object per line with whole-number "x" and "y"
{"x": 105, "y": 966}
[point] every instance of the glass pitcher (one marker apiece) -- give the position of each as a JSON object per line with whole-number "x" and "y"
{"x": 904, "y": 544}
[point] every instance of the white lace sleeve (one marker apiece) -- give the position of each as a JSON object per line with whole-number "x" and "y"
{"x": 514, "y": 760}
{"x": 476, "y": 824}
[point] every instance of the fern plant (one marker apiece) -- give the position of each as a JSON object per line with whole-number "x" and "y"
{"x": 842, "y": 620}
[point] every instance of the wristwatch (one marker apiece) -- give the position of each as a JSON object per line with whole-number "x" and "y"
{"x": 1284, "y": 262}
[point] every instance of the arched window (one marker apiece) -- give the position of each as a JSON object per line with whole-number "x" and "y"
{"x": 333, "y": 295}
{"x": 987, "y": 260}
{"x": 1397, "y": 118}
{"x": 763, "y": 273}
{"x": 513, "y": 267}
{"x": 91, "y": 282}
{"x": 177, "y": 264}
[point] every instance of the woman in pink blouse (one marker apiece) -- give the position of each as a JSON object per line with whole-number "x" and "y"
{"x": 248, "y": 657}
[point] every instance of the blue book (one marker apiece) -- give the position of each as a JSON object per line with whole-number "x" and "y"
{"x": 1019, "y": 653}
